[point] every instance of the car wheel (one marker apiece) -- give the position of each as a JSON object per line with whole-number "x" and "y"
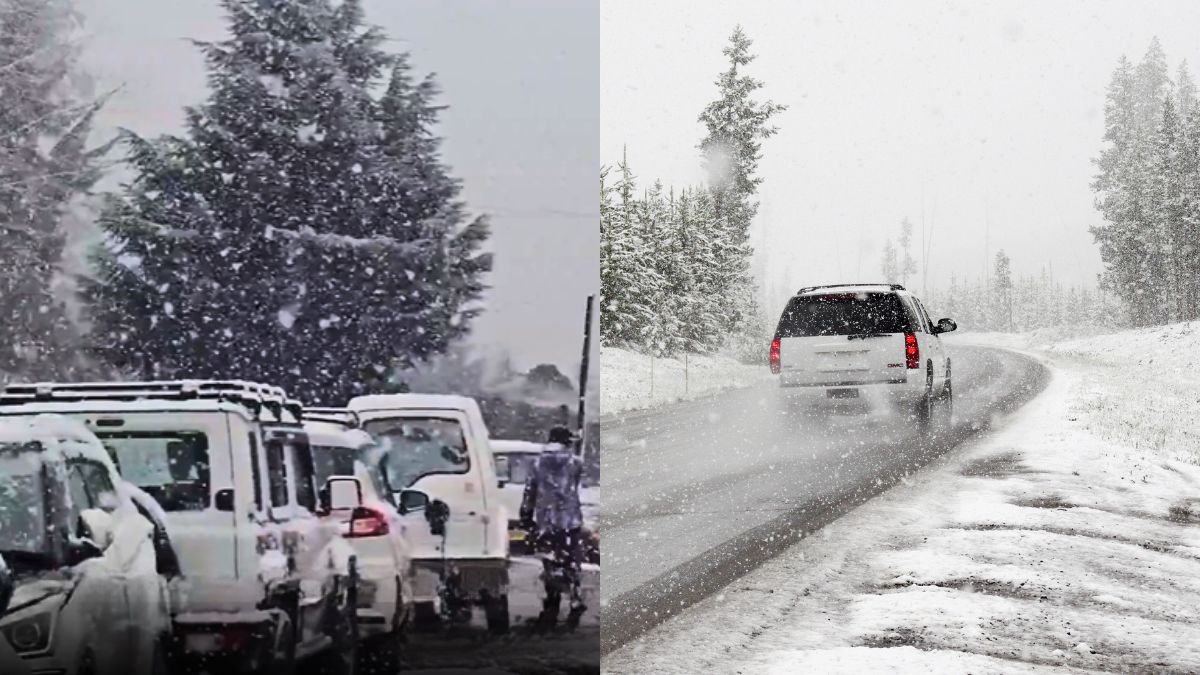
{"x": 495, "y": 609}
{"x": 158, "y": 662}
{"x": 341, "y": 658}
{"x": 384, "y": 654}
{"x": 925, "y": 405}
{"x": 425, "y": 617}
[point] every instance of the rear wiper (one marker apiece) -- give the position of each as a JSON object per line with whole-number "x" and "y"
{"x": 863, "y": 336}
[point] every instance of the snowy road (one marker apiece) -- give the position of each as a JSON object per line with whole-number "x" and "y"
{"x": 700, "y": 493}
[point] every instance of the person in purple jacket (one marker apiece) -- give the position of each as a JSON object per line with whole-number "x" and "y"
{"x": 551, "y": 511}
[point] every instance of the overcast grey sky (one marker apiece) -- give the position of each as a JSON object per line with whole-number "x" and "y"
{"x": 981, "y": 112}
{"x": 521, "y": 80}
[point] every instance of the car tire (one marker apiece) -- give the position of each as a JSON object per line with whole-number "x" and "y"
{"x": 383, "y": 655}
{"x": 341, "y": 658}
{"x": 495, "y": 609}
{"x": 924, "y": 410}
{"x": 425, "y": 617}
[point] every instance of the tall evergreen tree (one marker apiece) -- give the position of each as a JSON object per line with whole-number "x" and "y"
{"x": 907, "y": 266}
{"x": 46, "y": 171}
{"x": 890, "y": 265}
{"x": 736, "y": 123}
{"x": 302, "y": 232}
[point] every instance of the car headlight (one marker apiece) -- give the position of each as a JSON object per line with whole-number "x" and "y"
{"x": 29, "y": 635}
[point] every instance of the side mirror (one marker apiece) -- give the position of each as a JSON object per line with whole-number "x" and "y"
{"x": 341, "y": 493}
{"x": 7, "y": 584}
{"x": 411, "y": 501}
{"x": 946, "y": 326}
{"x": 503, "y": 471}
{"x": 223, "y": 500}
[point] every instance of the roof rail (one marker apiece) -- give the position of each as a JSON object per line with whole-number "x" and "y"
{"x": 342, "y": 416}
{"x": 806, "y": 289}
{"x": 252, "y": 395}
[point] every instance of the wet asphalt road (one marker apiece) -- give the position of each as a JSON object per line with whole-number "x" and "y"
{"x": 699, "y": 493}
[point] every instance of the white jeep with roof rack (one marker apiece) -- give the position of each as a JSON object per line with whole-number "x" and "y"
{"x": 263, "y": 581}
{"x": 850, "y": 344}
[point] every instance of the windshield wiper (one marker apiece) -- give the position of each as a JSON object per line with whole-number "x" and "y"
{"x": 863, "y": 336}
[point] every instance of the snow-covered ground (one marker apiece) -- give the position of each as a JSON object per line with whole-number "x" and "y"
{"x": 1067, "y": 540}
{"x": 625, "y": 378}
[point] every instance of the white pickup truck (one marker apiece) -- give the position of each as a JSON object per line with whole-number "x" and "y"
{"x": 438, "y": 445}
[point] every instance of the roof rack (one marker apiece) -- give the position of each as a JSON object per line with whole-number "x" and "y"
{"x": 342, "y": 416}
{"x": 806, "y": 289}
{"x": 254, "y": 396}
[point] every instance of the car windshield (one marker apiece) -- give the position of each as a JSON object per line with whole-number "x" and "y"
{"x": 339, "y": 461}
{"x": 22, "y": 502}
{"x": 419, "y": 446}
{"x": 171, "y": 466}
{"x": 843, "y": 314}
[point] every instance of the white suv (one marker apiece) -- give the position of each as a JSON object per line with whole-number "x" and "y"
{"x": 873, "y": 344}
{"x": 263, "y": 581}
{"x": 355, "y": 497}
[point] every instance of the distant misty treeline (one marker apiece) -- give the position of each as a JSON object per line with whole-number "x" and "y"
{"x": 1006, "y": 303}
{"x": 1148, "y": 190}
{"x": 302, "y": 229}
{"x": 675, "y": 263}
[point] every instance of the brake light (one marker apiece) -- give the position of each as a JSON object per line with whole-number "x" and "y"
{"x": 775, "y": 356}
{"x": 367, "y": 522}
{"x": 912, "y": 355}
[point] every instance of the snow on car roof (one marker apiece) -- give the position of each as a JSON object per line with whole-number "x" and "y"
{"x": 376, "y": 402}
{"x": 501, "y": 447}
{"x": 136, "y": 406}
{"x": 863, "y": 288}
{"x": 335, "y": 435}
{"x": 60, "y": 437}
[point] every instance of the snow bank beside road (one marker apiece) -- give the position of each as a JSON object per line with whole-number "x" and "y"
{"x": 625, "y": 379}
{"x": 1050, "y": 544}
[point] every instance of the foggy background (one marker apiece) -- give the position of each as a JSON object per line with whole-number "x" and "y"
{"x": 520, "y": 80}
{"x": 981, "y": 121}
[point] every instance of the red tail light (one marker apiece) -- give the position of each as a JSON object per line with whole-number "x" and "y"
{"x": 367, "y": 522}
{"x": 912, "y": 355}
{"x": 775, "y": 356}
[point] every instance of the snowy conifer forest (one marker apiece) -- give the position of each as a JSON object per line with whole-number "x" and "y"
{"x": 675, "y": 263}
{"x": 303, "y": 229}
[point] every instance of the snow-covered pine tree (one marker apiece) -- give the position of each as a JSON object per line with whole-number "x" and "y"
{"x": 890, "y": 263}
{"x": 907, "y": 266}
{"x": 1189, "y": 184}
{"x": 661, "y": 324}
{"x": 46, "y": 172}
{"x": 732, "y": 148}
{"x": 301, "y": 232}
{"x": 626, "y": 271}
{"x": 1003, "y": 288}
{"x": 1119, "y": 184}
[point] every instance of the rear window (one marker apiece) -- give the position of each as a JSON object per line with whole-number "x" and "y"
{"x": 171, "y": 466}
{"x": 843, "y": 314}
{"x": 416, "y": 447}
